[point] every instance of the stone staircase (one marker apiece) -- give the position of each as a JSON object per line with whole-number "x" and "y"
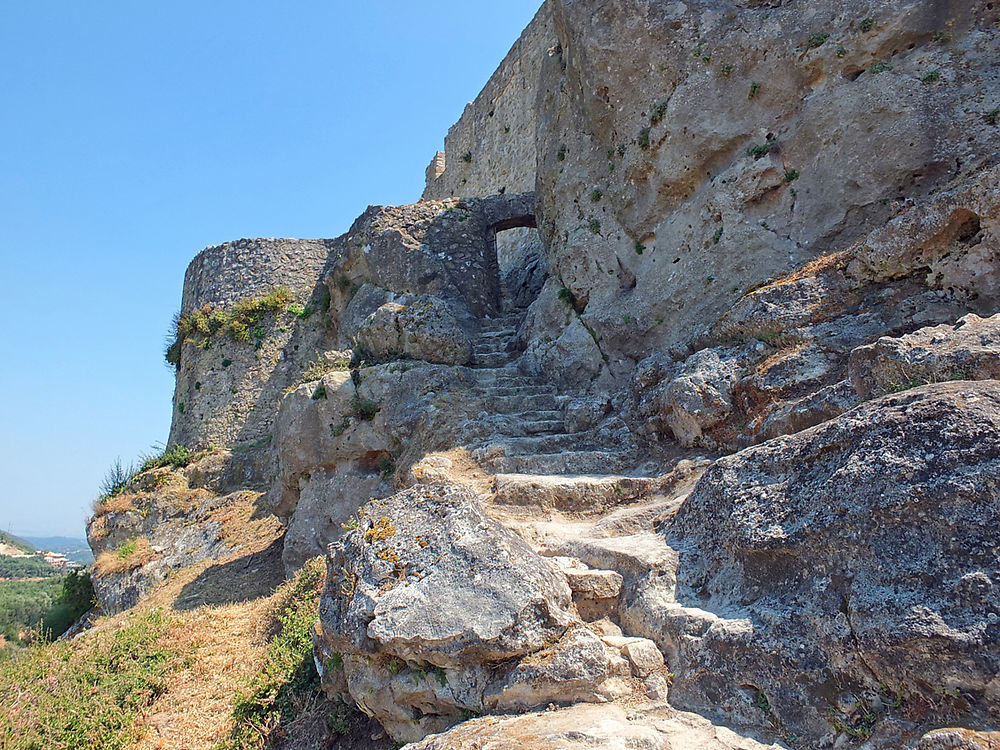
{"x": 525, "y": 424}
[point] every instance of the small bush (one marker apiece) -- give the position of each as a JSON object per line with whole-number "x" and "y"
{"x": 644, "y": 142}
{"x": 866, "y": 24}
{"x": 639, "y": 248}
{"x": 993, "y": 116}
{"x": 595, "y": 226}
{"x": 567, "y": 296}
{"x": 717, "y": 236}
{"x": 176, "y": 457}
{"x": 659, "y": 112}
{"x": 727, "y": 70}
{"x": 596, "y": 194}
{"x": 932, "y": 77}
{"x": 759, "y": 152}
{"x": 817, "y": 40}
{"x": 879, "y": 66}
{"x": 754, "y": 90}
{"x": 791, "y": 176}
{"x": 116, "y": 479}
{"x": 363, "y": 408}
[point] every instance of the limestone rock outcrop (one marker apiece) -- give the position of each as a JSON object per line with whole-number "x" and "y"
{"x": 434, "y": 609}
{"x": 967, "y": 350}
{"x": 594, "y": 728}
{"x": 820, "y": 574}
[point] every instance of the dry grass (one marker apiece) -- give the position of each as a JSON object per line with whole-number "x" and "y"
{"x": 130, "y": 555}
{"x": 115, "y": 504}
{"x": 824, "y": 264}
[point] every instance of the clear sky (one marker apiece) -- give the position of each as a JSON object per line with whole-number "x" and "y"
{"x": 132, "y": 134}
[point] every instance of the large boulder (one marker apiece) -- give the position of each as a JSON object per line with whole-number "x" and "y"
{"x": 844, "y": 580}
{"x": 415, "y": 327}
{"x": 432, "y": 610}
{"x": 588, "y": 727}
{"x": 967, "y": 350}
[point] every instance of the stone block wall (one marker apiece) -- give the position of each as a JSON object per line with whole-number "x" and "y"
{"x": 227, "y": 390}
{"x": 491, "y": 149}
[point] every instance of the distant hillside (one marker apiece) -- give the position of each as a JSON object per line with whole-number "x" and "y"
{"x": 76, "y": 550}
{"x": 16, "y": 544}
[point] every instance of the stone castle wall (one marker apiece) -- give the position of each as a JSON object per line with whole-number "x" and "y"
{"x": 491, "y": 149}
{"x": 226, "y": 391}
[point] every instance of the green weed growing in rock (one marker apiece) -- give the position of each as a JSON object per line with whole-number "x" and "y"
{"x": 659, "y": 112}
{"x": 467, "y": 157}
{"x": 932, "y": 77}
{"x": 879, "y": 66}
{"x": 639, "y": 248}
{"x": 595, "y": 226}
{"x": 116, "y": 479}
{"x": 596, "y": 194}
{"x": 363, "y": 408}
{"x": 817, "y": 40}
{"x": 791, "y": 176}
{"x": 566, "y": 295}
{"x": 866, "y": 24}
{"x": 717, "y": 236}
{"x": 993, "y": 116}
{"x": 644, "y": 141}
{"x": 174, "y": 456}
{"x": 726, "y": 70}
{"x": 841, "y": 51}
{"x": 754, "y": 90}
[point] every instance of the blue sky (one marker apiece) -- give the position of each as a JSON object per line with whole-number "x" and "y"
{"x": 134, "y": 134}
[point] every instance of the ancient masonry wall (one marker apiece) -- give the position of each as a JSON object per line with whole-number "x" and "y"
{"x": 226, "y": 392}
{"x": 491, "y": 149}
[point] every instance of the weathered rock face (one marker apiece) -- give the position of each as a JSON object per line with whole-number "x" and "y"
{"x": 167, "y": 519}
{"x": 416, "y": 328}
{"x": 594, "y": 728}
{"x": 968, "y": 350}
{"x": 820, "y": 575}
{"x": 435, "y": 609}
{"x": 686, "y": 152}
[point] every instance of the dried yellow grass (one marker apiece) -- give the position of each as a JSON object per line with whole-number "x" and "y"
{"x": 131, "y": 555}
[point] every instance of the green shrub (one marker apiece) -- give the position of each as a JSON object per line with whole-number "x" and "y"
{"x": 817, "y": 40}
{"x": 659, "y": 112}
{"x": 85, "y": 697}
{"x": 754, "y": 90}
{"x": 866, "y": 24}
{"x": 287, "y": 683}
{"x": 644, "y": 141}
{"x": 117, "y": 479}
{"x": 176, "y": 456}
{"x": 567, "y": 296}
{"x": 595, "y": 226}
{"x": 363, "y": 408}
{"x": 241, "y": 321}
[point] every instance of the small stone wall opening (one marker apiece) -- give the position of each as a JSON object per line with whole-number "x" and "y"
{"x": 521, "y": 261}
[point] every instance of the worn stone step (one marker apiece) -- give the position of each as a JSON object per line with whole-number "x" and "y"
{"x": 567, "y": 462}
{"x": 578, "y": 493}
{"x": 492, "y": 360}
{"x": 520, "y": 403}
{"x": 529, "y": 428}
{"x": 486, "y": 334}
{"x": 524, "y": 388}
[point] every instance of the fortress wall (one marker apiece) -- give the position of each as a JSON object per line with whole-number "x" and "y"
{"x": 226, "y": 392}
{"x": 497, "y": 130}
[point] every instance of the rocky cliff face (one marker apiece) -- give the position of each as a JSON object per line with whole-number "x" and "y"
{"x": 678, "y": 390}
